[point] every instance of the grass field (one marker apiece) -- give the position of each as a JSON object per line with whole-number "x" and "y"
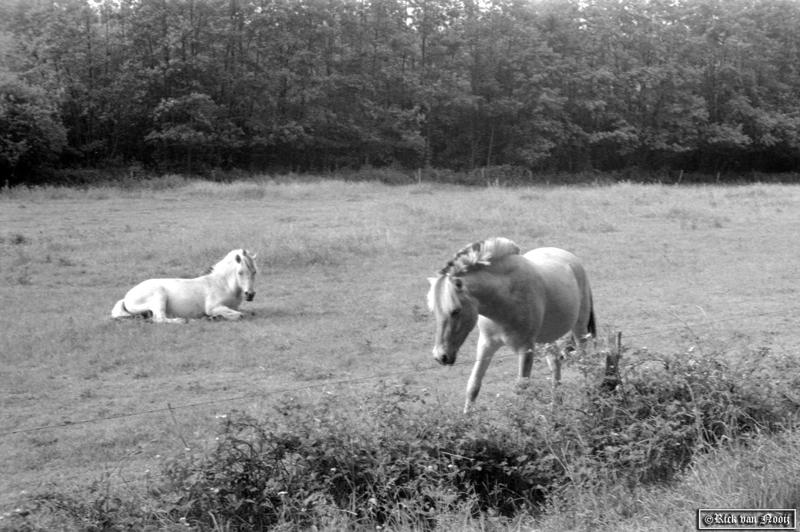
{"x": 341, "y": 297}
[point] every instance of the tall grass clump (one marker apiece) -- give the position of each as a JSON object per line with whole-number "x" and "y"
{"x": 393, "y": 457}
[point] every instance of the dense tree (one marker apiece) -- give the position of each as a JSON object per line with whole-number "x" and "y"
{"x": 31, "y": 133}
{"x": 711, "y": 85}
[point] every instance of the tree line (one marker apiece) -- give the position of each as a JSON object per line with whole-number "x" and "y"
{"x": 310, "y": 85}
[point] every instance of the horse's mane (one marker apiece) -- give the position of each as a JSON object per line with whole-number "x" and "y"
{"x": 481, "y": 252}
{"x": 246, "y": 257}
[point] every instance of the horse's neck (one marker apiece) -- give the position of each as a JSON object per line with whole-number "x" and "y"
{"x": 497, "y": 298}
{"x": 488, "y": 289}
{"x": 225, "y": 276}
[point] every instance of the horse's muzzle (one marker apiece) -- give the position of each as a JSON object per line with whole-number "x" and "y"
{"x": 444, "y": 358}
{"x": 249, "y": 295}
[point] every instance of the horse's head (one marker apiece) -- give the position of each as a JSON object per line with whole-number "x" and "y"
{"x": 246, "y": 273}
{"x": 456, "y": 313}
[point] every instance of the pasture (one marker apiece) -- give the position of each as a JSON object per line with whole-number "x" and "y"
{"x": 340, "y": 301}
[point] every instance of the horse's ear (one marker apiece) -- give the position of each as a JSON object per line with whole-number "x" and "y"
{"x": 254, "y": 255}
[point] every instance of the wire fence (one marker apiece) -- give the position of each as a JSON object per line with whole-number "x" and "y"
{"x": 150, "y": 477}
{"x": 415, "y": 369}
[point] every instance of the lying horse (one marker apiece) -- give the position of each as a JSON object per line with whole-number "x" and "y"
{"x": 516, "y": 300}
{"x": 217, "y": 293}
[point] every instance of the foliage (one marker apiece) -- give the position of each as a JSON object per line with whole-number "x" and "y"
{"x": 553, "y": 85}
{"x": 193, "y": 126}
{"x": 392, "y": 458}
{"x": 665, "y": 409}
{"x": 31, "y": 133}
{"x": 388, "y": 462}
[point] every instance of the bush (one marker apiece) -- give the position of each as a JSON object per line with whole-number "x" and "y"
{"x": 395, "y": 458}
{"x": 388, "y": 457}
{"x": 668, "y": 408}
{"x": 391, "y": 460}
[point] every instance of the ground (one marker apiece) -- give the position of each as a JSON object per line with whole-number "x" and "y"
{"x": 341, "y": 299}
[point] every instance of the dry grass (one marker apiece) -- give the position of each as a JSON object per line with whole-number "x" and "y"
{"x": 340, "y": 296}
{"x": 758, "y": 474}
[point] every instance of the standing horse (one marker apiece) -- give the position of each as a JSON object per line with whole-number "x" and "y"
{"x": 217, "y": 293}
{"x": 516, "y": 300}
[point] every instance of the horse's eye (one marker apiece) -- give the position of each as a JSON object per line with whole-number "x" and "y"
{"x": 456, "y": 312}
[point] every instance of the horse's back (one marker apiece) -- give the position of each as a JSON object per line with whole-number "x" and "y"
{"x": 549, "y": 256}
{"x": 557, "y": 262}
{"x": 566, "y": 291}
{"x": 183, "y": 298}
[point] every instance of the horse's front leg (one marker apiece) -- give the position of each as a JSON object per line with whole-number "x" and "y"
{"x": 222, "y": 311}
{"x": 487, "y": 347}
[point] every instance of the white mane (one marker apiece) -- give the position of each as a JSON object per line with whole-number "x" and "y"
{"x": 247, "y": 259}
{"x": 483, "y": 252}
{"x": 443, "y": 295}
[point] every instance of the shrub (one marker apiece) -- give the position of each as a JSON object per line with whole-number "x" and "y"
{"x": 668, "y": 408}
{"x": 388, "y": 457}
{"x": 393, "y": 454}
{"x": 391, "y": 460}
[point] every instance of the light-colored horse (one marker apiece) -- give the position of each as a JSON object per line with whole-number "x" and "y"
{"x": 516, "y": 300}
{"x": 217, "y": 293}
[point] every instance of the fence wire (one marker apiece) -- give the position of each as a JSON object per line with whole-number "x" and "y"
{"x": 415, "y": 369}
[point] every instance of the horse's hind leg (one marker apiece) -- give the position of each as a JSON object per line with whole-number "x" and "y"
{"x": 526, "y": 363}
{"x": 119, "y": 310}
{"x": 554, "y": 362}
{"x": 157, "y": 304}
{"x": 160, "y": 316}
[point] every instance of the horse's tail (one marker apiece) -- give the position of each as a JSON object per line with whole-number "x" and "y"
{"x": 591, "y": 327}
{"x": 119, "y": 310}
